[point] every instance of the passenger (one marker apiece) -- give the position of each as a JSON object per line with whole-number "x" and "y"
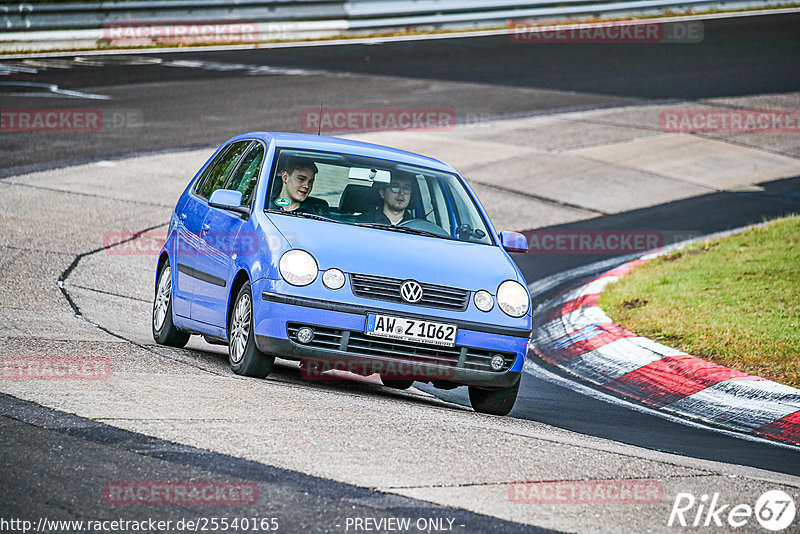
{"x": 396, "y": 196}
{"x": 298, "y": 181}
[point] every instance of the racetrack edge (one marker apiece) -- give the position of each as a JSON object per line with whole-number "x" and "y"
{"x": 575, "y": 335}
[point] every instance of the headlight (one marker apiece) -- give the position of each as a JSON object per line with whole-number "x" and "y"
{"x": 298, "y": 267}
{"x": 513, "y": 298}
{"x": 333, "y": 278}
{"x": 483, "y": 300}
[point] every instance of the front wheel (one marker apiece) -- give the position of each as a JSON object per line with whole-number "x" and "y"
{"x": 243, "y": 354}
{"x": 493, "y": 402}
{"x": 164, "y": 330}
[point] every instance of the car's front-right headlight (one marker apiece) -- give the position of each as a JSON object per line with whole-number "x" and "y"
{"x": 513, "y": 299}
{"x": 298, "y": 267}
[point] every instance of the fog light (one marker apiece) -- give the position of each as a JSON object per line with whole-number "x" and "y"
{"x": 483, "y": 300}
{"x": 333, "y": 278}
{"x": 306, "y": 334}
{"x": 498, "y": 362}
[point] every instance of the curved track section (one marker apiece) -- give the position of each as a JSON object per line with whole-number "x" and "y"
{"x": 573, "y": 333}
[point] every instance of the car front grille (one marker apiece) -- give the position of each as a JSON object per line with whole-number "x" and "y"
{"x": 357, "y": 343}
{"x": 388, "y": 289}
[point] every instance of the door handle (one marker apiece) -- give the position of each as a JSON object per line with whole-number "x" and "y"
{"x": 206, "y": 227}
{"x": 182, "y": 216}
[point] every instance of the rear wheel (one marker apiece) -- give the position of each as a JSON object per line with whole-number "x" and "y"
{"x": 164, "y": 330}
{"x": 243, "y": 354}
{"x": 493, "y": 402}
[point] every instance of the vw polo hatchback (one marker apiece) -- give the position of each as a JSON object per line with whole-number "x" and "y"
{"x": 345, "y": 256}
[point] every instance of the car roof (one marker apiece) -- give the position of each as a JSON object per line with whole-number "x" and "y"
{"x": 336, "y": 144}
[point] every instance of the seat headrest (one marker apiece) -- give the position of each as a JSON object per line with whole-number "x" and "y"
{"x": 357, "y": 198}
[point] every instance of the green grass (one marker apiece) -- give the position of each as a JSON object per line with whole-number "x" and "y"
{"x": 734, "y": 301}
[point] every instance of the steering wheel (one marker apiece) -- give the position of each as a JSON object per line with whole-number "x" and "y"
{"x": 425, "y": 226}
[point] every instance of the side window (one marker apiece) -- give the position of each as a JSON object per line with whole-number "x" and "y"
{"x": 466, "y": 216}
{"x": 330, "y": 182}
{"x": 217, "y": 173}
{"x": 462, "y": 213}
{"x": 246, "y": 176}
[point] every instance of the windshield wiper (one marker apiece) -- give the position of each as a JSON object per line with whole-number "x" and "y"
{"x": 403, "y": 229}
{"x": 305, "y": 215}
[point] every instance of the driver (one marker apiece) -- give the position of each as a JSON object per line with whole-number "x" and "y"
{"x": 298, "y": 181}
{"x": 396, "y": 196}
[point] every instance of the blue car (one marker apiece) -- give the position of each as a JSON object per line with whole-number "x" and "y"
{"x": 345, "y": 256}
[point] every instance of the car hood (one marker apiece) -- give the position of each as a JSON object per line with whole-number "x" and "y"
{"x": 355, "y": 249}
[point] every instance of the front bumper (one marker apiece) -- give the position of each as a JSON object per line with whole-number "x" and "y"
{"x": 339, "y": 338}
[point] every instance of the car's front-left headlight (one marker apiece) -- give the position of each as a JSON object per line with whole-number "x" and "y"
{"x": 512, "y": 297}
{"x": 298, "y": 267}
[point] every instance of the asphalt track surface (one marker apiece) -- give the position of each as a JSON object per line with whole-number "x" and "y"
{"x": 225, "y": 93}
{"x": 42, "y": 444}
{"x": 480, "y": 78}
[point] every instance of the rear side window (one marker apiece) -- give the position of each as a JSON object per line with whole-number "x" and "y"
{"x": 217, "y": 172}
{"x": 246, "y": 176}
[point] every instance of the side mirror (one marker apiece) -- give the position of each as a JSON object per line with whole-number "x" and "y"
{"x": 228, "y": 199}
{"x": 513, "y": 241}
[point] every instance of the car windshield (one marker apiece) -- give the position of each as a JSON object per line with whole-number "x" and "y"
{"x": 376, "y": 193}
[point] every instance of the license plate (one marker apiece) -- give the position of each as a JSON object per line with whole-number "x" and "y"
{"x": 430, "y": 332}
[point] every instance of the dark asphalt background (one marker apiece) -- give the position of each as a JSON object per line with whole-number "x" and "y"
{"x": 182, "y": 107}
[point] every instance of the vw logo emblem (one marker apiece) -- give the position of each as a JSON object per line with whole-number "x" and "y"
{"x": 411, "y": 291}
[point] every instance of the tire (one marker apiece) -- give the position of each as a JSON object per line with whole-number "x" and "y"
{"x": 493, "y": 402}
{"x": 164, "y": 330}
{"x": 243, "y": 355}
{"x": 396, "y": 383}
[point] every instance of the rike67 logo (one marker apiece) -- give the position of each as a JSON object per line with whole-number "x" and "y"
{"x": 774, "y": 510}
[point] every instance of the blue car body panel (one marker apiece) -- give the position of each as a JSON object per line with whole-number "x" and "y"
{"x": 209, "y": 247}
